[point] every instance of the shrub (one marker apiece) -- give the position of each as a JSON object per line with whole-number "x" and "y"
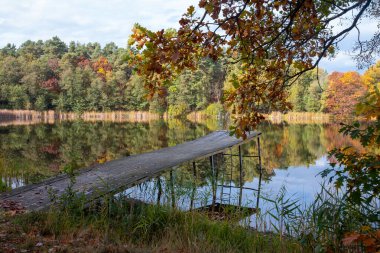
{"x": 214, "y": 110}
{"x": 177, "y": 111}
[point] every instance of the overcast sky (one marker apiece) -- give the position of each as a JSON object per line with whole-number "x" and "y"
{"x": 111, "y": 20}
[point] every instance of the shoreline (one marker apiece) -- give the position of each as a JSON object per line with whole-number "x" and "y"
{"x": 29, "y": 117}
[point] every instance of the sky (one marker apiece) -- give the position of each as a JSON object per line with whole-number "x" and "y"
{"x": 112, "y": 20}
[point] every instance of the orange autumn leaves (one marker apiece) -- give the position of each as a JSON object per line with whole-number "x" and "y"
{"x": 370, "y": 106}
{"x": 103, "y": 68}
{"x": 351, "y": 94}
{"x": 369, "y": 238}
{"x": 344, "y": 92}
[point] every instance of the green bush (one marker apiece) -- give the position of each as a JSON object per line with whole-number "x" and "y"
{"x": 214, "y": 110}
{"x": 177, "y": 111}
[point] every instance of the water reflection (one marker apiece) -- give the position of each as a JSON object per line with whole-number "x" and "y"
{"x": 209, "y": 184}
{"x": 30, "y": 153}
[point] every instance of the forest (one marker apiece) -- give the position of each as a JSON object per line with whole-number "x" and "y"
{"x": 51, "y": 75}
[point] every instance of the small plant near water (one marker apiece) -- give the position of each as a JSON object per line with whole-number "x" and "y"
{"x": 325, "y": 224}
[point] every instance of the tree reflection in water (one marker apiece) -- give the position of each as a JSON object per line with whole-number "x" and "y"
{"x": 30, "y": 153}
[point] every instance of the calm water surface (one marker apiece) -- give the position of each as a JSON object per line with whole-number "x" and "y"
{"x": 292, "y": 156}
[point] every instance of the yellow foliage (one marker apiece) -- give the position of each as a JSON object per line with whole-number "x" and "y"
{"x": 370, "y": 106}
{"x": 371, "y": 77}
{"x": 101, "y": 71}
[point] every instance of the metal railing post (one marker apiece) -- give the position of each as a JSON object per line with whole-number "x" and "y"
{"x": 240, "y": 176}
{"x": 261, "y": 173}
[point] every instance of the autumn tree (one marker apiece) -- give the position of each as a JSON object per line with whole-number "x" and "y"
{"x": 344, "y": 90}
{"x": 103, "y": 68}
{"x": 371, "y": 78}
{"x": 267, "y": 38}
{"x": 274, "y": 42}
{"x": 360, "y": 169}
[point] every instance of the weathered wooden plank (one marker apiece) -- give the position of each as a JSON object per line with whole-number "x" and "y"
{"x": 123, "y": 173}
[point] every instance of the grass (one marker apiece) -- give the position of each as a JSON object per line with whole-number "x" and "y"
{"x": 323, "y": 224}
{"x": 117, "y": 225}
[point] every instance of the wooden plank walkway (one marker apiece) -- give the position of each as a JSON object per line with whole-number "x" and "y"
{"x": 123, "y": 173}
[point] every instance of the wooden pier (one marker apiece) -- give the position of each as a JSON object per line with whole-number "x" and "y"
{"x": 120, "y": 174}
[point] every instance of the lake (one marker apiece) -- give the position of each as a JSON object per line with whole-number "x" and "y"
{"x": 292, "y": 156}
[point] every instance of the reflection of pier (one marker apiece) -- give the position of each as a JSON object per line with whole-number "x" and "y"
{"x": 221, "y": 197}
{"x": 117, "y": 175}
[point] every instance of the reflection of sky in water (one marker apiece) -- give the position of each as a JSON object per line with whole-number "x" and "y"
{"x": 12, "y": 182}
{"x": 301, "y": 181}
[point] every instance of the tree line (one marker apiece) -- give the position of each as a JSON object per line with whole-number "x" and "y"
{"x": 51, "y": 75}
